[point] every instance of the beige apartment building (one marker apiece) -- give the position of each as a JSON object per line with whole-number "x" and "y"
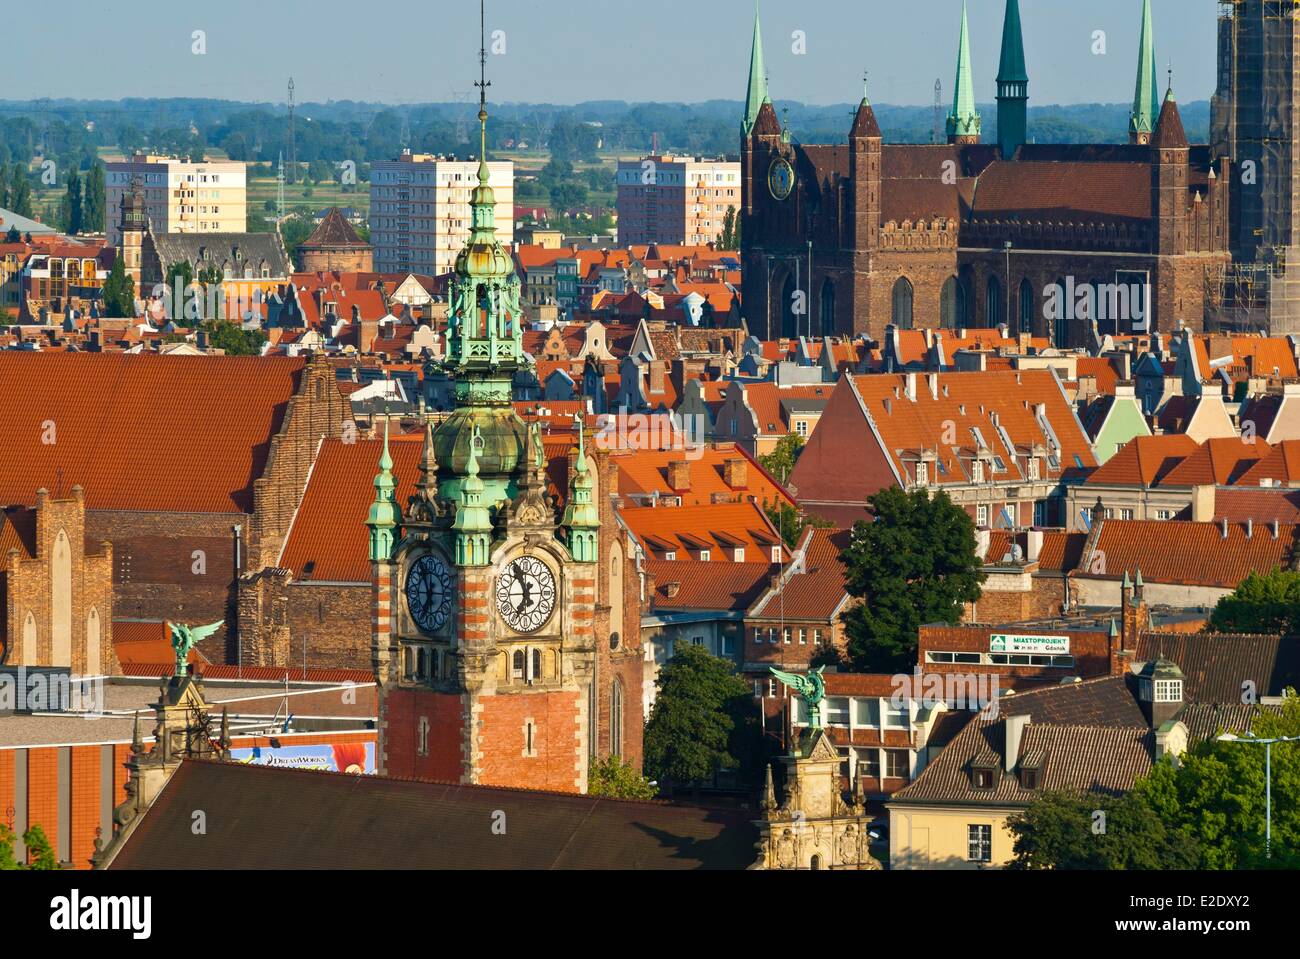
{"x": 181, "y": 195}
{"x": 670, "y": 199}
{"x": 420, "y": 212}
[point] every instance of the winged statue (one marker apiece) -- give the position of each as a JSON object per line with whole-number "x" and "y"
{"x": 811, "y": 688}
{"x": 185, "y": 638}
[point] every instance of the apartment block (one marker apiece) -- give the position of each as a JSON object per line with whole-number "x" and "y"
{"x": 180, "y": 195}
{"x": 420, "y": 212}
{"x": 669, "y": 199}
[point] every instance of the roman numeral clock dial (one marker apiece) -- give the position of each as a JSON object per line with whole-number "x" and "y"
{"x": 428, "y": 593}
{"x": 526, "y": 594}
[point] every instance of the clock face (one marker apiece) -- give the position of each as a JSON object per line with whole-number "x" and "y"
{"x": 526, "y": 594}
{"x": 780, "y": 178}
{"x": 428, "y": 593}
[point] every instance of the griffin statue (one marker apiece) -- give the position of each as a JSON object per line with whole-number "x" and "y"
{"x": 811, "y": 688}
{"x": 185, "y": 638}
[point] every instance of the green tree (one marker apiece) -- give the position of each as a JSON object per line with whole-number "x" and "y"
{"x": 119, "y": 292}
{"x": 617, "y": 779}
{"x": 294, "y": 231}
{"x": 703, "y": 720}
{"x": 792, "y": 522}
{"x": 76, "y": 211}
{"x": 93, "y": 205}
{"x": 20, "y": 191}
{"x": 730, "y": 239}
{"x": 13, "y": 236}
{"x": 1268, "y": 603}
{"x": 38, "y": 849}
{"x": 914, "y": 564}
{"x": 233, "y": 338}
{"x": 568, "y": 196}
{"x": 780, "y": 462}
{"x": 1089, "y": 831}
{"x": 1216, "y": 793}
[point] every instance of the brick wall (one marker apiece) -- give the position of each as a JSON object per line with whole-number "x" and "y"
{"x": 1090, "y": 649}
{"x": 444, "y": 711}
{"x": 279, "y": 618}
{"x": 557, "y": 719}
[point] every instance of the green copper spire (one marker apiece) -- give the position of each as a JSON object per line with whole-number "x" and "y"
{"x": 757, "y": 94}
{"x": 485, "y": 328}
{"x": 580, "y": 514}
{"x": 1013, "y": 85}
{"x": 385, "y": 514}
{"x": 964, "y": 120}
{"x": 1142, "y": 121}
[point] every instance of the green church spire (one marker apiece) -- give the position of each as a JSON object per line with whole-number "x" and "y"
{"x": 1142, "y": 121}
{"x": 473, "y": 523}
{"x": 485, "y": 349}
{"x": 385, "y": 514}
{"x": 580, "y": 514}
{"x": 964, "y": 120}
{"x": 1013, "y": 85}
{"x": 757, "y": 94}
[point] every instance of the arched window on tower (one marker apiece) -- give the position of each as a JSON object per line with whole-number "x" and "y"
{"x": 966, "y": 298}
{"x": 1059, "y": 312}
{"x": 538, "y": 675}
{"x": 789, "y": 319}
{"x": 993, "y": 303}
{"x": 901, "y": 315}
{"x": 1026, "y": 319}
{"x": 826, "y": 326}
{"x": 517, "y": 665}
{"x": 948, "y": 298}
{"x": 616, "y": 718}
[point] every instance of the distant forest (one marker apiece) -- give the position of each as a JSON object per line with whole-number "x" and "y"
{"x": 73, "y": 131}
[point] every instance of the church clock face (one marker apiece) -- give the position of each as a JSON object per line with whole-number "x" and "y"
{"x": 780, "y": 178}
{"x": 526, "y": 594}
{"x": 428, "y": 593}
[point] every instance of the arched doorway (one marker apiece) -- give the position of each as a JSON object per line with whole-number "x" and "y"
{"x": 901, "y": 315}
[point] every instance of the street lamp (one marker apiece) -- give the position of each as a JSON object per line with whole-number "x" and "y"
{"x": 1268, "y": 777}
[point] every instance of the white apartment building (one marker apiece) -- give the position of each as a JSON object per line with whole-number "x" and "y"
{"x": 670, "y": 199}
{"x": 420, "y": 213}
{"x": 181, "y": 196}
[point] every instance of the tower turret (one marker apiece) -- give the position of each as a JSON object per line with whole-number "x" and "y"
{"x": 581, "y": 516}
{"x": 385, "y": 515}
{"x": 1013, "y": 85}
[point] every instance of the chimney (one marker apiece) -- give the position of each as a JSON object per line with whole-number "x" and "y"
{"x": 656, "y": 376}
{"x": 1223, "y": 531}
{"x": 367, "y": 333}
{"x": 932, "y": 380}
{"x": 1250, "y": 528}
{"x": 1203, "y": 504}
{"x": 679, "y": 475}
{"x": 1015, "y": 734}
{"x": 735, "y": 473}
{"x": 910, "y": 381}
{"x": 1033, "y": 545}
{"x": 1274, "y": 528}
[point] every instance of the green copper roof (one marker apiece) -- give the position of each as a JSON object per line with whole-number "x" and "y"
{"x": 964, "y": 120}
{"x": 1145, "y": 103}
{"x": 757, "y": 93}
{"x": 1011, "y": 69}
{"x": 385, "y": 514}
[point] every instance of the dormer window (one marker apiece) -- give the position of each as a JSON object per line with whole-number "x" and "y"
{"x": 977, "y": 471}
{"x": 982, "y": 778}
{"x": 705, "y": 555}
{"x": 1033, "y": 467}
{"x": 1169, "y": 691}
{"x": 1029, "y": 778}
{"x": 922, "y": 474}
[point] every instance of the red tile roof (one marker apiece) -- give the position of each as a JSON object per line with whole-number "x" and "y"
{"x": 719, "y": 528}
{"x": 814, "y": 590}
{"x": 147, "y": 644}
{"x": 1144, "y": 460}
{"x": 140, "y": 431}
{"x": 1182, "y": 552}
{"x": 693, "y": 585}
{"x": 643, "y": 472}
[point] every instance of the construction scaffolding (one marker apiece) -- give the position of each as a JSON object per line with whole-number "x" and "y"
{"x": 1254, "y": 122}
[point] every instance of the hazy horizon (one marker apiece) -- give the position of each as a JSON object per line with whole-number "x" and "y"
{"x": 405, "y": 52}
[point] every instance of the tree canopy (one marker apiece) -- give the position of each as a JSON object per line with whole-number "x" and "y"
{"x": 703, "y": 720}
{"x": 914, "y": 564}
{"x": 1268, "y": 603}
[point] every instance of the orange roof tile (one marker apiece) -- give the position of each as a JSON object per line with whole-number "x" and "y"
{"x": 1144, "y": 460}
{"x": 141, "y": 431}
{"x": 644, "y": 472}
{"x": 691, "y": 584}
{"x": 1182, "y": 552}
{"x": 718, "y": 528}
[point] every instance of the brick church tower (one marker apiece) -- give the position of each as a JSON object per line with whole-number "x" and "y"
{"x": 484, "y": 595}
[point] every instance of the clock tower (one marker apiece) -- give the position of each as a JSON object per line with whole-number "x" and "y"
{"x": 484, "y": 593}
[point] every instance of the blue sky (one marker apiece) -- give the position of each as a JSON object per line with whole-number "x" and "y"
{"x": 566, "y": 51}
